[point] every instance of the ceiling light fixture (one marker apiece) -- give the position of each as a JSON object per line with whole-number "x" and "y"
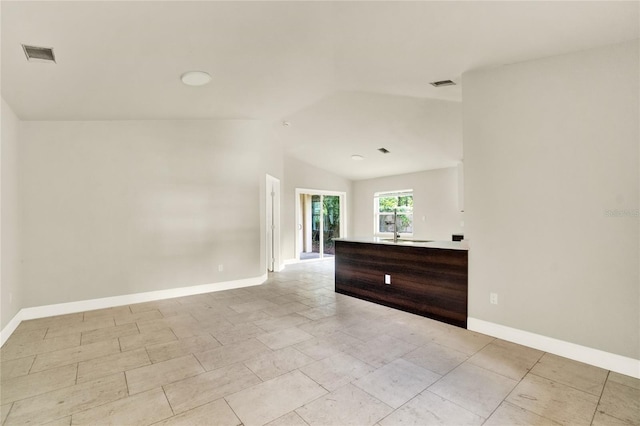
{"x": 286, "y": 124}
{"x": 195, "y": 78}
{"x": 357, "y": 157}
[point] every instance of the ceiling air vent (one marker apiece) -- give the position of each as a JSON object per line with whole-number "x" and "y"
{"x": 39, "y": 54}
{"x": 442, "y": 83}
{"x": 383, "y": 150}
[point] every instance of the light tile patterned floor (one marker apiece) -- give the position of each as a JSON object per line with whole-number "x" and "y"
{"x": 291, "y": 352}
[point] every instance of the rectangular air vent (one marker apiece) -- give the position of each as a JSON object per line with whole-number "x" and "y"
{"x": 383, "y": 150}
{"x": 39, "y": 54}
{"x": 442, "y": 83}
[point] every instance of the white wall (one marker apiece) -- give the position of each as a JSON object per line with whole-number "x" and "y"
{"x": 11, "y": 291}
{"x": 435, "y": 197}
{"x": 550, "y": 147}
{"x": 114, "y": 208}
{"x": 298, "y": 174}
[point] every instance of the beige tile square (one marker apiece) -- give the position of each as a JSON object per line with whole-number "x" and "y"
{"x": 337, "y": 370}
{"x": 204, "y": 388}
{"x": 254, "y": 305}
{"x": 269, "y": 400}
{"x": 144, "y": 408}
{"x": 601, "y": 419}
{"x": 324, "y": 327}
{"x": 55, "y": 321}
{"x": 62, "y": 357}
{"x": 571, "y": 373}
{"x": 431, "y": 409}
{"x": 323, "y": 347}
{"x": 108, "y": 333}
{"x": 110, "y": 364}
{"x": 20, "y": 349}
{"x": 364, "y": 330}
{"x": 620, "y": 401}
{"x": 289, "y": 419}
{"x": 474, "y": 388}
{"x": 320, "y": 312}
{"x": 26, "y": 336}
{"x": 380, "y": 350}
{"x": 183, "y": 319}
{"x": 178, "y": 348}
{"x": 284, "y": 338}
{"x": 79, "y": 327}
{"x": 509, "y": 414}
{"x": 285, "y": 309}
{"x": 230, "y": 354}
{"x": 69, "y": 400}
{"x": 4, "y": 412}
{"x": 156, "y": 304}
{"x": 437, "y": 358}
{"x": 137, "y": 317}
{"x": 236, "y": 333}
{"x": 508, "y": 359}
{"x": 397, "y": 382}
{"x": 273, "y": 364}
{"x": 461, "y": 340}
{"x": 282, "y": 323}
{"x": 554, "y": 400}
{"x": 347, "y": 405}
{"x": 38, "y": 383}
{"x": 217, "y": 412}
{"x": 63, "y": 421}
{"x": 15, "y": 367}
{"x": 162, "y": 373}
{"x": 632, "y": 382}
{"x": 107, "y": 312}
{"x": 146, "y": 339}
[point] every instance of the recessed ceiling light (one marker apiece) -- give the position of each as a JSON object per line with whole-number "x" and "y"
{"x": 286, "y": 124}
{"x": 195, "y": 78}
{"x": 357, "y": 157}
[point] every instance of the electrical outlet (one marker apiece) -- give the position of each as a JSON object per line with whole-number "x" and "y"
{"x": 493, "y": 298}
{"x": 220, "y": 268}
{"x": 387, "y": 279}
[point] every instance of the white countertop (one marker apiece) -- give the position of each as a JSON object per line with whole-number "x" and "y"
{"x": 449, "y": 245}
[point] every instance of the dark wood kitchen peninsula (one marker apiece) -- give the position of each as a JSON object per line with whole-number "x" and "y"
{"x": 426, "y": 278}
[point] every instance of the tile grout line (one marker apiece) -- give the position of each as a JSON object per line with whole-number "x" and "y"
{"x": 600, "y": 398}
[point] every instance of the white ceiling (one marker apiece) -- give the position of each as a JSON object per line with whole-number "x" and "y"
{"x": 331, "y": 68}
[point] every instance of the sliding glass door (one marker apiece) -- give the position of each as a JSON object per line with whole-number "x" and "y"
{"x": 320, "y": 217}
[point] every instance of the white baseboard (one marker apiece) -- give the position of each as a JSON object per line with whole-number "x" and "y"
{"x": 618, "y": 363}
{"x": 128, "y": 299}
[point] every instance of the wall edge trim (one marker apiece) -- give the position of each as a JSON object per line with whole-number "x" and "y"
{"x": 127, "y": 299}
{"x": 609, "y": 361}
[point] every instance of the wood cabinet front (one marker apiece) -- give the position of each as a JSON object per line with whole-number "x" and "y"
{"x": 431, "y": 282}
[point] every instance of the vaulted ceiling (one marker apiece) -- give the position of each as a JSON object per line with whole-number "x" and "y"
{"x": 350, "y": 77}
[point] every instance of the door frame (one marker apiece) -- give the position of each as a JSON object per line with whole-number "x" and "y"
{"x": 298, "y": 225}
{"x": 272, "y": 224}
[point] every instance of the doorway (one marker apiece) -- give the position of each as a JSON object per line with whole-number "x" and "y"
{"x": 320, "y": 218}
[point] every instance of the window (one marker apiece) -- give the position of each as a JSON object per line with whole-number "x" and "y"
{"x": 384, "y": 205}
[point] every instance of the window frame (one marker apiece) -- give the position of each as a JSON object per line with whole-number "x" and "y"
{"x": 377, "y": 213}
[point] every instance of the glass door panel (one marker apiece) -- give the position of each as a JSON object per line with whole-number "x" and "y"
{"x": 331, "y": 223}
{"x": 316, "y": 223}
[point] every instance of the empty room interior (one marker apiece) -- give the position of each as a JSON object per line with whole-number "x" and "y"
{"x": 320, "y": 213}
